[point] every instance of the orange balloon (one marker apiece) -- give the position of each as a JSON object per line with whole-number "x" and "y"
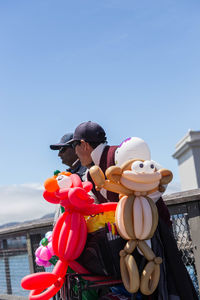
{"x": 51, "y": 185}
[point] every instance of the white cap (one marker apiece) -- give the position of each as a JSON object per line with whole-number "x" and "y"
{"x": 132, "y": 148}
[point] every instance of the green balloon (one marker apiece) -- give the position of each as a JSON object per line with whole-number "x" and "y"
{"x": 44, "y": 242}
{"x": 56, "y": 172}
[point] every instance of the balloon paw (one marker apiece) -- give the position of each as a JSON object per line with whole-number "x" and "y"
{"x": 38, "y": 280}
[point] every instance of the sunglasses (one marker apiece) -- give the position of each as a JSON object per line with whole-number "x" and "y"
{"x": 75, "y": 143}
{"x": 63, "y": 149}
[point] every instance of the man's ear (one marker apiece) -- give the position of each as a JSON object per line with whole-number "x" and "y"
{"x": 166, "y": 176}
{"x": 84, "y": 145}
{"x": 114, "y": 173}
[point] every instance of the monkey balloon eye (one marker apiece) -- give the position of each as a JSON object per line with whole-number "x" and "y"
{"x": 149, "y": 166}
{"x": 64, "y": 181}
{"x": 137, "y": 166}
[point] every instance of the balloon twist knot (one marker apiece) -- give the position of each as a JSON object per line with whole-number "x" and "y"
{"x": 143, "y": 193}
{"x": 123, "y": 253}
{"x": 157, "y": 260}
{"x": 98, "y": 187}
{"x": 57, "y": 284}
{"x": 137, "y": 194}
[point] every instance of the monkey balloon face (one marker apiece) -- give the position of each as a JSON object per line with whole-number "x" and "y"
{"x": 133, "y": 176}
{"x": 141, "y": 176}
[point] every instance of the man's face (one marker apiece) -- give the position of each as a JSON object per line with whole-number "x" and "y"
{"x": 67, "y": 155}
{"x": 83, "y": 151}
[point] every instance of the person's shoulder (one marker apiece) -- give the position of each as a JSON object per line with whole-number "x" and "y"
{"x": 108, "y": 157}
{"x": 81, "y": 170}
{"x": 109, "y": 149}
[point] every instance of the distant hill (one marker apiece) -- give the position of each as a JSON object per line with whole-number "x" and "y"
{"x": 9, "y": 224}
{"x": 48, "y": 216}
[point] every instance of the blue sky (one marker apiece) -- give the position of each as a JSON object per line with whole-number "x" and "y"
{"x": 132, "y": 66}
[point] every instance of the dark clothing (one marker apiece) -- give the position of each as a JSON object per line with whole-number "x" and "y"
{"x": 106, "y": 160}
{"x": 79, "y": 170}
{"x": 163, "y": 211}
{"x": 175, "y": 282}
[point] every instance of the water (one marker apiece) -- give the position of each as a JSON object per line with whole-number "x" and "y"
{"x": 19, "y": 267}
{"x": 3, "y": 289}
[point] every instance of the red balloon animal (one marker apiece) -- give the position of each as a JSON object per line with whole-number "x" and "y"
{"x": 69, "y": 234}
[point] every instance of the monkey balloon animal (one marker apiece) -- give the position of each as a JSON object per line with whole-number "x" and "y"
{"x": 136, "y": 216}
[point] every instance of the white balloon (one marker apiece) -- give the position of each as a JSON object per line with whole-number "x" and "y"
{"x": 138, "y": 217}
{"x": 132, "y": 148}
{"x": 119, "y": 218}
{"x": 64, "y": 181}
{"x": 149, "y": 166}
{"x": 147, "y": 218}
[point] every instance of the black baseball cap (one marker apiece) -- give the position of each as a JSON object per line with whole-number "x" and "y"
{"x": 89, "y": 132}
{"x": 63, "y": 142}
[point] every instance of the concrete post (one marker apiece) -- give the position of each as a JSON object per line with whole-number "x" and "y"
{"x": 7, "y": 268}
{"x": 30, "y": 253}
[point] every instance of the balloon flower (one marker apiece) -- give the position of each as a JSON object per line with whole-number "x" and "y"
{"x": 44, "y": 253}
{"x": 69, "y": 234}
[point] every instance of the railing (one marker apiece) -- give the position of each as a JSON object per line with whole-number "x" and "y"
{"x": 17, "y": 247}
{"x": 18, "y": 244}
{"x": 184, "y": 209}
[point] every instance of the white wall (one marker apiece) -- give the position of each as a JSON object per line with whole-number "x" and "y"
{"x": 187, "y": 172}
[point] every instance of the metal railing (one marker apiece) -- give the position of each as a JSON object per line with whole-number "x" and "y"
{"x": 18, "y": 244}
{"x": 17, "y": 259}
{"x": 184, "y": 208}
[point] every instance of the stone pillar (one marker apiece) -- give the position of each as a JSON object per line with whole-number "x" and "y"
{"x": 188, "y": 156}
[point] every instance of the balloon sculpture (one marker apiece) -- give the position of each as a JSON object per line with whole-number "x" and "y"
{"x": 69, "y": 234}
{"x": 44, "y": 253}
{"x": 136, "y": 217}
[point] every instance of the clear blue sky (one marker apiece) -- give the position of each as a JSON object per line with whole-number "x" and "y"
{"x": 132, "y": 66}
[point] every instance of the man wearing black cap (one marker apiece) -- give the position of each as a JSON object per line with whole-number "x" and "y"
{"x": 90, "y": 144}
{"x": 68, "y": 155}
{"x": 69, "y": 158}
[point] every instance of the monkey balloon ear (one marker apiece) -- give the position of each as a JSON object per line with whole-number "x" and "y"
{"x": 166, "y": 176}
{"x": 161, "y": 188}
{"x": 114, "y": 173}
